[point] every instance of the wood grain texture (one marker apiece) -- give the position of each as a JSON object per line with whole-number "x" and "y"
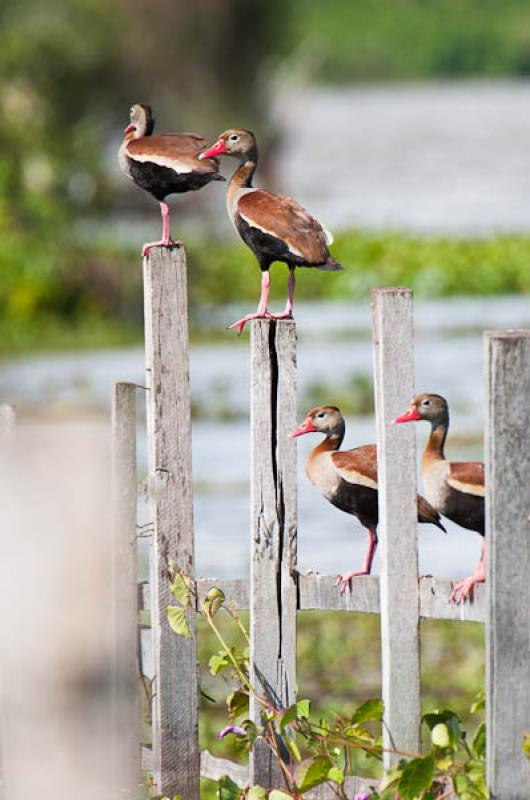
{"x": 507, "y": 357}
{"x": 435, "y": 602}
{"x": 396, "y": 464}
{"x": 8, "y": 415}
{"x": 125, "y": 662}
{"x": 273, "y": 525}
{"x": 175, "y": 715}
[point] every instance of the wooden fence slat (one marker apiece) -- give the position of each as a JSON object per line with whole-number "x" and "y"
{"x": 396, "y": 462}
{"x": 7, "y": 429}
{"x": 273, "y": 525}
{"x": 7, "y": 418}
{"x": 507, "y": 356}
{"x": 125, "y": 667}
{"x": 175, "y": 707}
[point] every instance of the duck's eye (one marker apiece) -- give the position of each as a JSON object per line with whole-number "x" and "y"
{"x": 425, "y": 402}
{"x": 321, "y": 415}
{"x": 233, "y": 137}
{"x": 131, "y": 111}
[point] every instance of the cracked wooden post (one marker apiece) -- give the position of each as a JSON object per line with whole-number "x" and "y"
{"x": 396, "y": 465}
{"x": 7, "y": 419}
{"x": 175, "y": 705}
{"x": 273, "y": 526}
{"x": 507, "y": 357}
{"x": 125, "y": 663}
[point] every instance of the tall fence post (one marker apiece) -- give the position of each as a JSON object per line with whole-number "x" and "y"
{"x": 7, "y": 429}
{"x": 396, "y": 464}
{"x": 273, "y": 526}
{"x": 125, "y": 665}
{"x": 175, "y": 705}
{"x": 507, "y": 355}
{"x": 7, "y": 419}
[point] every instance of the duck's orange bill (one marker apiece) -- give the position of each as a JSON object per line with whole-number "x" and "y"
{"x": 409, "y": 416}
{"x": 306, "y": 427}
{"x": 217, "y": 149}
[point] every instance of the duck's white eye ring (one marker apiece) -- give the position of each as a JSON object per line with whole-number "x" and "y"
{"x": 321, "y": 415}
{"x": 233, "y": 137}
{"x": 425, "y": 402}
{"x": 131, "y": 111}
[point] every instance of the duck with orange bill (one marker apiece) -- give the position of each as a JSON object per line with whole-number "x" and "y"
{"x": 163, "y": 165}
{"x": 455, "y": 488}
{"x": 348, "y": 479}
{"x": 274, "y": 227}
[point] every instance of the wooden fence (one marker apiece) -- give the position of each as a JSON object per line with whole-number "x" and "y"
{"x": 276, "y": 590}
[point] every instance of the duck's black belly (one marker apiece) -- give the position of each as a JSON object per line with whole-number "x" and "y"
{"x": 267, "y": 248}
{"x": 467, "y": 510}
{"x": 162, "y": 181}
{"x": 361, "y": 501}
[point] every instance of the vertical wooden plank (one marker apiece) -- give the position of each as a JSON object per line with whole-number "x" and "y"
{"x": 7, "y": 419}
{"x": 507, "y": 355}
{"x": 396, "y": 463}
{"x": 175, "y": 710}
{"x": 7, "y": 430}
{"x": 125, "y": 666}
{"x": 273, "y": 526}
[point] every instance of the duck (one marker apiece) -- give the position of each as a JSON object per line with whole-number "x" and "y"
{"x": 456, "y": 489}
{"x": 348, "y": 479}
{"x": 163, "y": 165}
{"x": 273, "y": 226}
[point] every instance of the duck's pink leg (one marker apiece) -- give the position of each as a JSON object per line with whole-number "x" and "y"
{"x": 463, "y": 590}
{"x": 288, "y": 311}
{"x": 261, "y": 312}
{"x": 344, "y": 581}
{"x": 166, "y": 240}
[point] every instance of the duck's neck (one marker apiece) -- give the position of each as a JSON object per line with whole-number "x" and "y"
{"x": 435, "y": 446}
{"x": 330, "y": 443}
{"x": 242, "y": 177}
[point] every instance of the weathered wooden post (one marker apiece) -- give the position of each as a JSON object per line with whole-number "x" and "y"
{"x": 7, "y": 419}
{"x": 175, "y": 708}
{"x": 7, "y": 429}
{"x": 396, "y": 464}
{"x": 125, "y": 667}
{"x": 273, "y": 526}
{"x": 507, "y": 356}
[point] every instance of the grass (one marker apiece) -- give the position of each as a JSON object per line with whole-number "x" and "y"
{"x": 94, "y": 299}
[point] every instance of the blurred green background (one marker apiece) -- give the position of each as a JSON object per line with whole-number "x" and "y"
{"x": 69, "y": 70}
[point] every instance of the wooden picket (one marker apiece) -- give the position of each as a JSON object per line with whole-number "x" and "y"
{"x": 276, "y": 591}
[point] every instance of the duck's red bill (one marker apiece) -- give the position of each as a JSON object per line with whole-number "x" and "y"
{"x": 409, "y": 416}
{"x": 217, "y": 149}
{"x": 130, "y": 128}
{"x": 306, "y": 427}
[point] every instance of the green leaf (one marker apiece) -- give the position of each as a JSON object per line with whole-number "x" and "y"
{"x": 227, "y": 789}
{"x": 276, "y": 794}
{"x": 448, "y": 718}
{"x": 293, "y": 747}
{"x": 303, "y": 708}
{"x": 312, "y": 772}
{"x": 237, "y": 703}
{"x": 478, "y": 745}
{"x": 369, "y": 711}
{"x": 257, "y": 793}
{"x": 213, "y": 601}
{"x": 416, "y": 777}
{"x": 336, "y": 775}
{"x": 440, "y": 735}
{"x": 480, "y": 703}
{"x": 177, "y": 621}
{"x": 180, "y": 588}
{"x": 218, "y": 662}
{"x": 466, "y": 789}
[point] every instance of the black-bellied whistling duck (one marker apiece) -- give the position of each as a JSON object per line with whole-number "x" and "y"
{"x": 348, "y": 479}
{"x": 275, "y": 227}
{"x": 163, "y": 165}
{"x": 454, "y": 488}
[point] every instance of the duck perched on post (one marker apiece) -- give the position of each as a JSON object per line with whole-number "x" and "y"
{"x": 348, "y": 479}
{"x": 455, "y": 488}
{"x": 163, "y": 165}
{"x": 274, "y": 227}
